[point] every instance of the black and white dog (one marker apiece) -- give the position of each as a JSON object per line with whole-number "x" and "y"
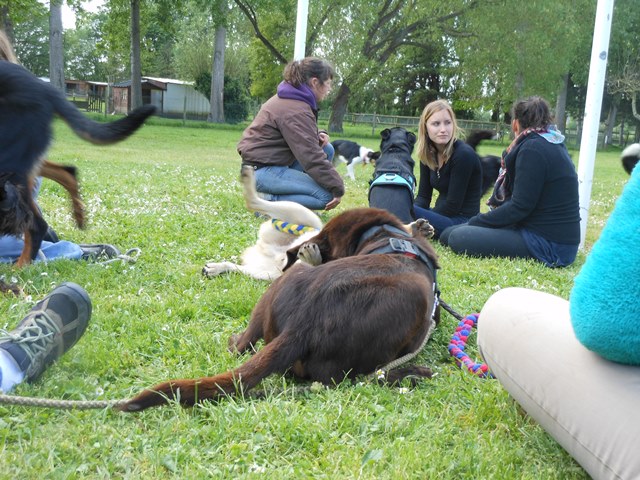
{"x": 490, "y": 163}
{"x": 393, "y": 185}
{"x": 352, "y": 154}
{"x": 630, "y": 157}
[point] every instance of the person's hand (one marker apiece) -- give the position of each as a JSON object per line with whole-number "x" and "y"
{"x": 333, "y": 203}
{"x": 324, "y": 138}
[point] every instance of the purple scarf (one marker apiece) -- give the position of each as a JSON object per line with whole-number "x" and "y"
{"x": 302, "y": 93}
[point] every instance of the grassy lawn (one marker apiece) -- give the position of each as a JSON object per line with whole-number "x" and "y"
{"x": 174, "y": 193}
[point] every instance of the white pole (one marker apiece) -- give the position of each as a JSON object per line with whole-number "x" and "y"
{"x": 301, "y": 29}
{"x": 592, "y": 108}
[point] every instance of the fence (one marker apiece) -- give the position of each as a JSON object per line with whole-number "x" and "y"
{"x": 503, "y": 131}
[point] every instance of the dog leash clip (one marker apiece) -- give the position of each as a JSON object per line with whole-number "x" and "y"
{"x": 403, "y": 246}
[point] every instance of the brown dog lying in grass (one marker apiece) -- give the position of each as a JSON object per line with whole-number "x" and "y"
{"x": 371, "y": 299}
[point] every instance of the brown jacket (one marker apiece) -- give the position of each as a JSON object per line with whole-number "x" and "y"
{"x": 285, "y": 130}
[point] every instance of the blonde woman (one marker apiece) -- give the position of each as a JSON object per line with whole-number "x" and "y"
{"x": 447, "y": 165}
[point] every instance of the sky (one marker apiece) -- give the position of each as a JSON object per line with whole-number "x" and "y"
{"x": 69, "y": 18}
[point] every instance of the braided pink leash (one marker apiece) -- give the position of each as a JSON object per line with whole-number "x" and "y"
{"x": 458, "y": 344}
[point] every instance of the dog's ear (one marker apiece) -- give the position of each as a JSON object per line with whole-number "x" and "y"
{"x": 411, "y": 138}
{"x": 385, "y": 133}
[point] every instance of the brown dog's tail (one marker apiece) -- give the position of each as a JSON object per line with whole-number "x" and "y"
{"x": 275, "y": 357}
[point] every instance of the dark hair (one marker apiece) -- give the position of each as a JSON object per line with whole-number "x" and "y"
{"x": 301, "y": 71}
{"x": 532, "y": 112}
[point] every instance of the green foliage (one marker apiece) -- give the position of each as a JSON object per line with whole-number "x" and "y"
{"x": 31, "y": 42}
{"x": 173, "y": 192}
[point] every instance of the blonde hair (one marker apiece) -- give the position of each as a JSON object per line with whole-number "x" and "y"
{"x": 427, "y": 152}
{"x": 6, "y": 50}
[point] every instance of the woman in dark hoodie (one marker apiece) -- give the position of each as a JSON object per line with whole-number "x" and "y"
{"x": 535, "y": 208}
{"x": 285, "y": 147}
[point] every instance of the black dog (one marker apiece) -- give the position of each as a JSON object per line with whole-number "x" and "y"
{"x": 352, "y": 154}
{"x": 393, "y": 184}
{"x": 490, "y": 163}
{"x": 27, "y": 108}
{"x": 630, "y": 157}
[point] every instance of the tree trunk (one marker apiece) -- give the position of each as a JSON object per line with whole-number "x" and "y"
{"x": 136, "y": 68}
{"x": 561, "y": 103}
{"x": 339, "y": 108}
{"x": 6, "y": 24}
{"x": 56, "y": 54}
{"x": 611, "y": 121}
{"x": 634, "y": 107}
{"x": 216, "y": 114}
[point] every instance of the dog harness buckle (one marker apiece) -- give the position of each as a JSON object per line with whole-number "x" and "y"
{"x": 403, "y": 246}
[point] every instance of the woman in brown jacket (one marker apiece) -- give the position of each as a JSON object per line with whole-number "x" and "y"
{"x": 283, "y": 143}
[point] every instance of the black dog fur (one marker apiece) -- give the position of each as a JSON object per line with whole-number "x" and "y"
{"x": 27, "y": 108}
{"x": 490, "y": 163}
{"x": 396, "y": 148}
{"x": 630, "y": 157}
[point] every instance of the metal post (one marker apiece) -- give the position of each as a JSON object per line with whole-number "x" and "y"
{"x": 592, "y": 109}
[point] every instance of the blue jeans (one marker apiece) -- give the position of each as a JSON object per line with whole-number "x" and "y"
{"x": 11, "y": 247}
{"x": 293, "y": 184}
{"x": 438, "y": 222}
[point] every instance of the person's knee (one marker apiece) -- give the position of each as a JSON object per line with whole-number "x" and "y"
{"x": 457, "y": 238}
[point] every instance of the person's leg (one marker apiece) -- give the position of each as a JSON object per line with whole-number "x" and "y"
{"x": 485, "y": 242}
{"x": 589, "y": 405}
{"x": 330, "y": 151}
{"x": 291, "y": 184}
{"x": 51, "y": 328}
{"x": 439, "y": 222}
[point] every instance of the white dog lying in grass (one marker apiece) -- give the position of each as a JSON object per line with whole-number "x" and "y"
{"x": 266, "y": 259}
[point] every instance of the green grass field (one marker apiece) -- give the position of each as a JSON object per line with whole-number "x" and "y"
{"x": 174, "y": 193}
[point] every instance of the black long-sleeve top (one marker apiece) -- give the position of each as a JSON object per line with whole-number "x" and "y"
{"x": 458, "y": 182}
{"x": 545, "y": 201}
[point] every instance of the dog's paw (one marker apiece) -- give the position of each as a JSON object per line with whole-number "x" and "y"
{"x": 213, "y": 269}
{"x": 422, "y": 228}
{"x": 310, "y": 254}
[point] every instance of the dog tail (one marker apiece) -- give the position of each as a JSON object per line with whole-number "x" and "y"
{"x": 275, "y": 357}
{"x": 476, "y": 136}
{"x": 281, "y": 210}
{"x": 96, "y": 132}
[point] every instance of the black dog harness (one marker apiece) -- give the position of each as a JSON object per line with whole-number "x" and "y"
{"x": 403, "y": 247}
{"x": 393, "y": 179}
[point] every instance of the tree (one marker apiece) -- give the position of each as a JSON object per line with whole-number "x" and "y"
{"x": 216, "y": 114}
{"x": 518, "y": 49}
{"x": 56, "y": 52}
{"x": 623, "y": 68}
{"x": 136, "y": 68}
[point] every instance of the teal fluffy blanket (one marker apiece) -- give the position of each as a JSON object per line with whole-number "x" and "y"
{"x": 605, "y": 300}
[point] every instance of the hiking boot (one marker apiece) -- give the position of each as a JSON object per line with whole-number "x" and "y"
{"x": 94, "y": 251}
{"x": 51, "y": 328}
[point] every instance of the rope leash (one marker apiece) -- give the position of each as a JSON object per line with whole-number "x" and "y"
{"x": 59, "y": 404}
{"x": 291, "y": 228}
{"x": 130, "y": 256}
{"x": 458, "y": 344}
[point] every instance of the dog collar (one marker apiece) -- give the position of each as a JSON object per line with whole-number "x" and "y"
{"x": 393, "y": 179}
